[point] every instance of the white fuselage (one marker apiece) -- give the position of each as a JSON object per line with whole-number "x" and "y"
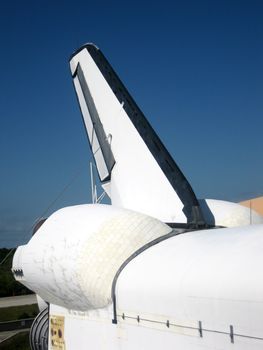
{"x": 194, "y": 290}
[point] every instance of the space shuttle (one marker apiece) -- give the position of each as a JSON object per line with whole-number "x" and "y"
{"x": 158, "y": 267}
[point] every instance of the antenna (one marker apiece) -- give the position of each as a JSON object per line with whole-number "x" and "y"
{"x": 250, "y": 207}
{"x": 95, "y": 199}
{"x": 92, "y": 183}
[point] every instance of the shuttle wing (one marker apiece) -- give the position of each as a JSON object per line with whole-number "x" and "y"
{"x": 134, "y": 167}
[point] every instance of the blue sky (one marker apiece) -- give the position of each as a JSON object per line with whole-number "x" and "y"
{"x": 194, "y": 68}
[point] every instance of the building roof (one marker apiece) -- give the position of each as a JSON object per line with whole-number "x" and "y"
{"x": 255, "y": 204}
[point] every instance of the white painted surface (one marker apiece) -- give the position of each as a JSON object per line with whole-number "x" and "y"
{"x": 212, "y": 276}
{"x": 42, "y": 305}
{"x": 228, "y": 214}
{"x": 74, "y": 256}
{"x": 136, "y": 172}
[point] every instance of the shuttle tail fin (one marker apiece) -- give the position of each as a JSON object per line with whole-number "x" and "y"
{"x": 134, "y": 167}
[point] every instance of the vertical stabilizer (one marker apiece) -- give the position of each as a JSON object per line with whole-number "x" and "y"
{"x": 134, "y": 166}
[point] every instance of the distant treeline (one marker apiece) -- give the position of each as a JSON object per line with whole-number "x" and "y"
{"x": 8, "y": 285}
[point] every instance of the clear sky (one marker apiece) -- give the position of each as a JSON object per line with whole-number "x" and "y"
{"x": 194, "y": 68}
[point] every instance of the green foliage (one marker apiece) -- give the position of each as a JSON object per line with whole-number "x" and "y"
{"x": 18, "y": 312}
{"x": 8, "y": 285}
{"x": 19, "y": 341}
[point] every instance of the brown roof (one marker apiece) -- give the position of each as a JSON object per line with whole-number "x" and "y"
{"x": 255, "y": 204}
